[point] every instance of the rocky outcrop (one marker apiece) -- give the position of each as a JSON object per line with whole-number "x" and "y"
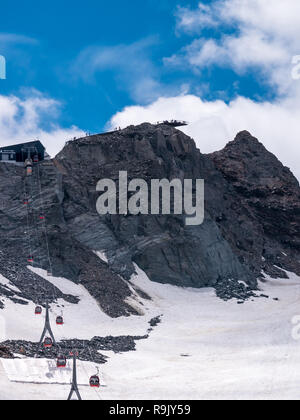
{"x": 88, "y": 350}
{"x": 23, "y": 234}
{"x": 264, "y": 227}
{"x": 251, "y": 219}
{"x": 163, "y": 246}
{"x": 5, "y": 352}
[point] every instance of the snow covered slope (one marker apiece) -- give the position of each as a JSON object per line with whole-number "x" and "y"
{"x": 43, "y": 371}
{"x": 204, "y": 348}
{"x": 208, "y": 349}
{"x": 83, "y": 321}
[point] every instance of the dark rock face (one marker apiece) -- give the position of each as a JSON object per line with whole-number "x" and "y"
{"x": 163, "y": 246}
{"x": 88, "y": 350}
{"x": 68, "y": 257}
{"x": 5, "y": 352}
{"x": 155, "y": 321}
{"x": 251, "y": 219}
{"x": 264, "y": 225}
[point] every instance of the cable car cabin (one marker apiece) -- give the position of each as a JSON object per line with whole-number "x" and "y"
{"x": 42, "y": 217}
{"x": 29, "y": 170}
{"x": 30, "y": 259}
{"x": 48, "y": 342}
{"x": 59, "y": 320}
{"x": 25, "y": 199}
{"x": 61, "y": 361}
{"x": 95, "y": 381}
{"x": 28, "y": 166}
{"x": 35, "y": 158}
{"x": 38, "y": 310}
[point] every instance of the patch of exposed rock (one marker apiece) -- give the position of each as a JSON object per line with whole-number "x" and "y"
{"x": 88, "y": 350}
{"x": 5, "y": 352}
{"x": 264, "y": 227}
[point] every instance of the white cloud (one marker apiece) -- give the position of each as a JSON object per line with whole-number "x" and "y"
{"x": 11, "y": 38}
{"x": 213, "y": 124}
{"x": 195, "y": 20}
{"x": 21, "y": 120}
{"x": 249, "y": 49}
{"x": 266, "y": 15}
{"x": 274, "y": 17}
{"x": 261, "y": 35}
{"x": 129, "y": 64}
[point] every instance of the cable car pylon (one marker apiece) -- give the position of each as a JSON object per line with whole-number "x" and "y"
{"x": 47, "y": 328}
{"x": 74, "y": 386}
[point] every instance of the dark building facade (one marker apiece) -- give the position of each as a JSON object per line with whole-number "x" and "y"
{"x": 20, "y": 152}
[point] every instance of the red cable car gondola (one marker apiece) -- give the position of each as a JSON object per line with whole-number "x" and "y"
{"x": 30, "y": 259}
{"x": 61, "y": 361}
{"x": 42, "y": 217}
{"x": 95, "y": 381}
{"x": 48, "y": 342}
{"x": 59, "y": 320}
{"x": 35, "y": 158}
{"x": 38, "y": 310}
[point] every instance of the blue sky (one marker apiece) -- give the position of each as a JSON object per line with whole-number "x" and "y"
{"x": 223, "y": 65}
{"x": 55, "y": 43}
{"x": 58, "y": 31}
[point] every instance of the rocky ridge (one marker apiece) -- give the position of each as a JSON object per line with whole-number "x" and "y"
{"x": 252, "y": 210}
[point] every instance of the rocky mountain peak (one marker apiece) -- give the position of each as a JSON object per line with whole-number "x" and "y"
{"x": 245, "y": 136}
{"x": 246, "y": 157}
{"x": 269, "y": 193}
{"x": 252, "y": 211}
{"x": 244, "y": 144}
